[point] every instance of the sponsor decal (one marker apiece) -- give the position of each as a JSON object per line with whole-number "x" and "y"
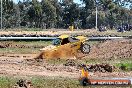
{"x": 113, "y": 82}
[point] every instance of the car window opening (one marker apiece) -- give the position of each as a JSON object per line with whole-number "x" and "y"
{"x": 65, "y": 41}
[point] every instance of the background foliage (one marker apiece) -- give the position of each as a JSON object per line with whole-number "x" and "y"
{"x": 54, "y": 14}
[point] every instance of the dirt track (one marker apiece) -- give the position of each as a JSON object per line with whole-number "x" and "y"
{"x": 23, "y": 65}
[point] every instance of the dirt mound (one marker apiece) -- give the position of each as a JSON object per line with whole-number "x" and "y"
{"x": 103, "y": 68}
{"x": 70, "y": 63}
{"x": 100, "y": 68}
{"x": 112, "y": 49}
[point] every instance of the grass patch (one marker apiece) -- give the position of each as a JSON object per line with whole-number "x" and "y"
{"x": 56, "y": 61}
{"x": 125, "y": 66}
{"x": 55, "y": 83}
{"x": 51, "y": 82}
{"x": 7, "y": 82}
{"x": 19, "y": 50}
{"x": 25, "y": 50}
{"x": 110, "y": 60}
{"x": 30, "y": 43}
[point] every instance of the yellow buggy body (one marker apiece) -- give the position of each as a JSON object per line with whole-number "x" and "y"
{"x": 65, "y": 47}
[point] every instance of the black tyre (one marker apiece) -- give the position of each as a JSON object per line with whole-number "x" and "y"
{"x": 84, "y": 82}
{"x": 85, "y": 48}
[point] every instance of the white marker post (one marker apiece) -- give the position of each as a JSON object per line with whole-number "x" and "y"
{"x": 96, "y": 16}
{"x": 1, "y": 14}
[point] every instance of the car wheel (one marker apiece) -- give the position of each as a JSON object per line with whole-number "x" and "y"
{"x": 84, "y": 81}
{"x": 85, "y": 48}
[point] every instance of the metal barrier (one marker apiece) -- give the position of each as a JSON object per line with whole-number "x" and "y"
{"x": 27, "y": 38}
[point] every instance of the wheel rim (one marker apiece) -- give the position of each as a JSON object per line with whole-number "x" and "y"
{"x": 86, "y": 48}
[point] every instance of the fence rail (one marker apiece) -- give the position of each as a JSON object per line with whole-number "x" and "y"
{"x": 51, "y": 38}
{"x": 27, "y": 38}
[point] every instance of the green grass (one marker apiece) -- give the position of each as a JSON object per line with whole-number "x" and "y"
{"x": 51, "y": 82}
{"x": 30, "y": 43}
{"x": 56, "y": 61}
{"x": 125, "y": 66}
{"x": 25, "y": 50}
{"x": 19, "y": 50}
{"x": 111, "y": 61}
{"x": 7, "y": 82}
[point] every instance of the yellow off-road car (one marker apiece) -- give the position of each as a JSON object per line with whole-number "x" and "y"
{"x": 65, "y": 46}
{"x": 77, "y": 43}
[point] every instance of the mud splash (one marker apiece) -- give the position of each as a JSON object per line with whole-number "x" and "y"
{"x": 61, "y": 52}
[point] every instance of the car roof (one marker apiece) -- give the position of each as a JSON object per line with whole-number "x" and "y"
{"x": 63, "y": 36}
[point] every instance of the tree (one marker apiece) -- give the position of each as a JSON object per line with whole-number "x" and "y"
{"x": 87, "y": 11}
{"x": 59, "y": 13}
{"x": 71, "y": 14}
{"x": 37, "y": 13}
{"x": 54, "y": 14}
{"x": 50, "y": 11}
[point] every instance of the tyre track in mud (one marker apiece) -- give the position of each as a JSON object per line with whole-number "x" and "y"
{"x": 27, "y": 67}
